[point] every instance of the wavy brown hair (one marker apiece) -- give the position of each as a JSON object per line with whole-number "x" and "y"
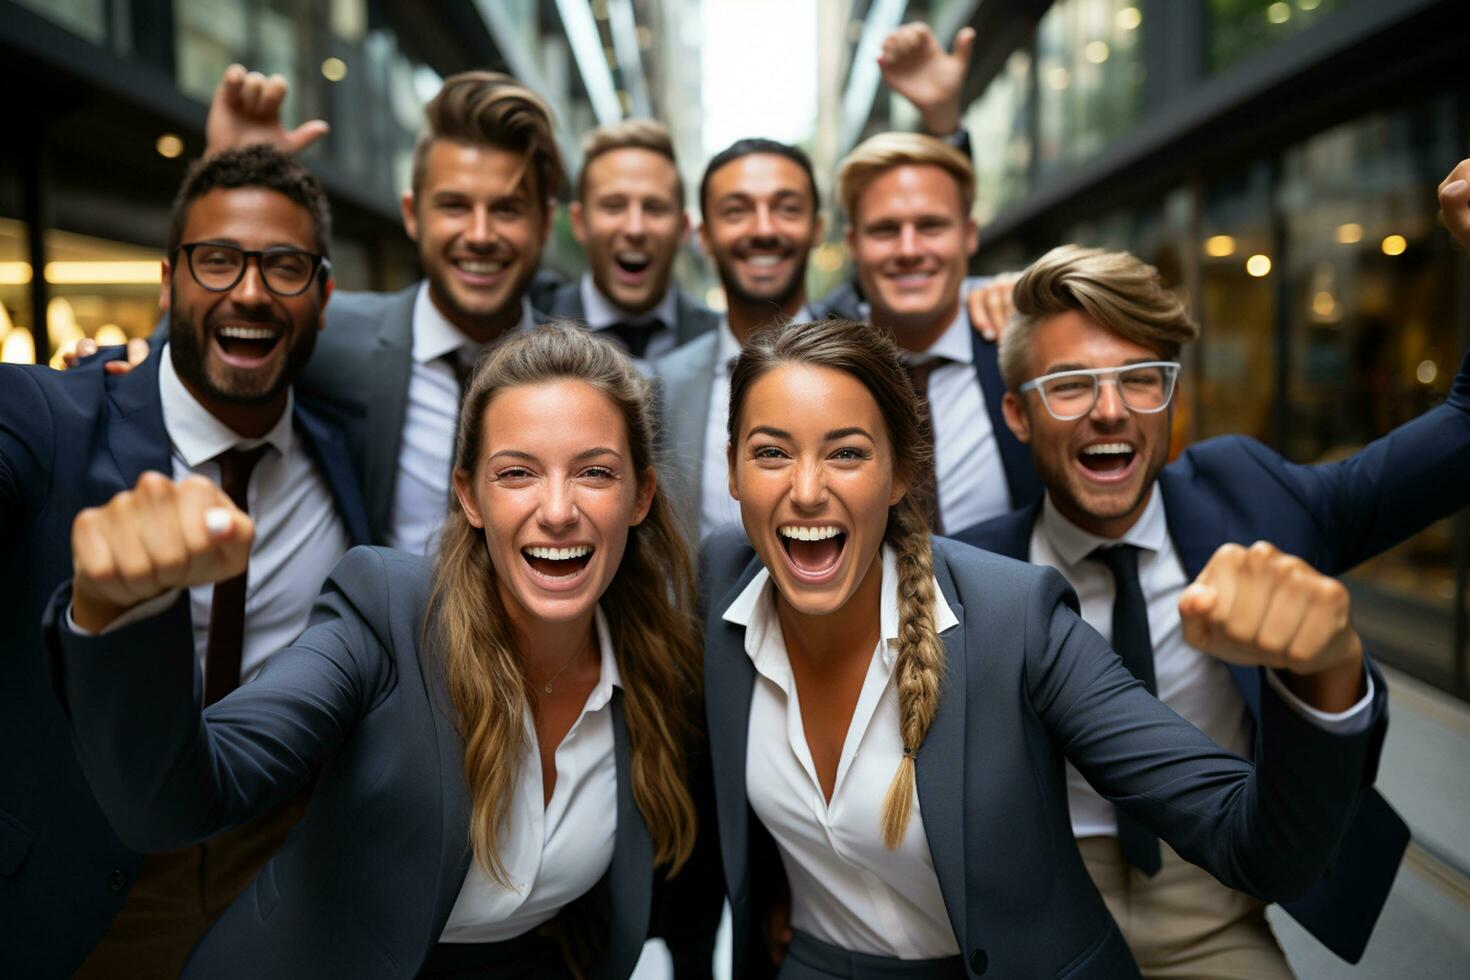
{"x": 654, "y": 637}
{"x": 869, "y": 355}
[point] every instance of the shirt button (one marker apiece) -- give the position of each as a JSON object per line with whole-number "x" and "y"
{"x": 979, "y": 962}
{"x": 117, "y": 881}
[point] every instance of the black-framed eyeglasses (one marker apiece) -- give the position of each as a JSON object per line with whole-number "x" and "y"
{"x": 1146, "y": 387}
{"x": 285, "y": 271}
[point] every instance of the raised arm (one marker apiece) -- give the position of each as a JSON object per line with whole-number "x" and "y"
{"x": 1270, "y": 829}
{"x": 123, "y": 656}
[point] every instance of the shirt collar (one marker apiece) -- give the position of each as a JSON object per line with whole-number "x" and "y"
{"x": 609, "y": 677}
{"x": 1072, "y": 544}
{"x": 601, "y": 312}
{"x": 953, "y": 345}
{"x": 433, "y": 334}
{"x": 198, "y": 436}
{"x": 755, "y": 609}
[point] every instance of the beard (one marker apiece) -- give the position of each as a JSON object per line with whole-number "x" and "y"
{"x": 189, "y": 350}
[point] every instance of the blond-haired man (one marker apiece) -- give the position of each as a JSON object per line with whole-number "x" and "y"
{"x": 1091, "y": 367}
{"x": 627, "y": 211}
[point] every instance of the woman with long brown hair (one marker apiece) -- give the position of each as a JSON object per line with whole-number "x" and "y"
{"x": 494, "y": 742}
{"x": 889, "y": 712}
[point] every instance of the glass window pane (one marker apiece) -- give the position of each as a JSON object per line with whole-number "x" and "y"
{"x": 86, "y": 18}
{"x": 1090, "y": 74}
{"x": 1000, "y": 130}
{"x": 1241, "y": 28}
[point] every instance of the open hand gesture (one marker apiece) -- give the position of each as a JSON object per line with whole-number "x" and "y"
{"x": 246, "y": 110}
{"x": 916, "y": 67}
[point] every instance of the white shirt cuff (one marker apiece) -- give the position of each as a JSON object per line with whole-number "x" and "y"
{"x": 141, "y": 611}
{"x": 1353, "y": 721}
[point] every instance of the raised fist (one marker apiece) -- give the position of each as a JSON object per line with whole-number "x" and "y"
{"x": 158, "y": 536}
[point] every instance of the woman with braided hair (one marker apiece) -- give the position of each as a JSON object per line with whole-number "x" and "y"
{"x": 889, "y": 712}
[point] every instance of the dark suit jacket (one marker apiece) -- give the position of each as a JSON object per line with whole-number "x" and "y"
{"x": 1026, "y": 684}
{"x": 70, "y": 440}
{"x": 1334, "y": 516}
{"x": 1021, "y": 479}
{"x": 365, "y": 883}
{"x": 691, "y": 318}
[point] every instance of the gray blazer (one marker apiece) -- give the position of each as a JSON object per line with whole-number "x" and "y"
{"x": 365, "y": 883}
{"x": 1027, "y": 684}
{"x": 683, "y": 378}
{"x": 691, "y": 319}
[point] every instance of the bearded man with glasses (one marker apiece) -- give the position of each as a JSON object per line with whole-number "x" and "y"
{"x": 1090, "y": 363}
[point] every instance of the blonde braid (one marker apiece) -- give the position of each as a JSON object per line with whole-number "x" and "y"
{"x": 920, "y": 663}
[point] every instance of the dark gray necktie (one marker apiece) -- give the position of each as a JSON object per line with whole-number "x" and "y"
{"x": 636, "y": 336}
{"x": 1131, "y": 640}
{"x": 227, "y": 602}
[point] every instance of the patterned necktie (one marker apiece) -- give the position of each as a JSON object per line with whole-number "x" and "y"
{"x": 926, "y": 485}
{"x": 636, "y": 336}
{"x": 1131, "y": 640}
{"x": 227, "y": 605}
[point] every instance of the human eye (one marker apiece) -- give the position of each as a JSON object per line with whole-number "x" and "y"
{"x": 512, "y": 476}
{"x": 769, "y": 454}
{"x": 851, "y": 454}
{"x": 598, "y": 473}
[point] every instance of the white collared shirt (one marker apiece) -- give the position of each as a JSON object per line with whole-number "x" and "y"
{"x": 1196, "y": 685}
{"x": 967, "y": 466}
{"x": 847, "y": 887}
{"x": 552, "y": 853}
{"x": 421, "y": 486}
{"x": 298, "y": 534}
{"x": 716, "y": 507}
{"x": 602, "y": 313}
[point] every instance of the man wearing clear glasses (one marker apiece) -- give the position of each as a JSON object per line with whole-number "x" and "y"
{"x": 1090, "y": 364}
{"x": 245, "y": 284}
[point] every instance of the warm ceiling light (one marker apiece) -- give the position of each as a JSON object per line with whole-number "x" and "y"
{"x": 1058, "y": 78}
{"x": 1309, "y": 4}
{"x": 144, "y": 273}
{"x": 1426, "y": 372}
{"x": 15, "y": 273}
{"x": 1219, "y": 246}
{"x": 1096, "y": 52}
{"x": 1394, "y": 245}
{"x": 170, "y": 146}
{"x": 1129, "y": 18}
{"x": 1278, "y": 13}
{"x": 19, "y": 348}
{"x": 334, "y": 69}
{"x": 1350, "y": 233}
{"x": 1258, "y": 265}
{"x": 110, "y": 335}
{"x": 1323, "y": 304}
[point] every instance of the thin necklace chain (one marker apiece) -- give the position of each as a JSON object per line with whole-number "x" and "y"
{"x": 561, "y": 670}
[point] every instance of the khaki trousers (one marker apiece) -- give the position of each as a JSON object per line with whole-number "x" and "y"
{"x": 1182, "y": 923}
{"x": 179, "y": 894}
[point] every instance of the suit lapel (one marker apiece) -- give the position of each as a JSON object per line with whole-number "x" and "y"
{"x": 330, "y": 454}
{"x": 1021, "y": 478}
{"x": 387, "y": 402}
{"x": 455, "y": 852}
{"x": 687, "y": 375}
{"x": 940, "y": 767}
{"x": 694, "y": 320}
{"x": 1008, "y": 534}
{"x": 1198, "y": 527}
{"x": 136, "y": 436}
{"x": 630, "y": 878}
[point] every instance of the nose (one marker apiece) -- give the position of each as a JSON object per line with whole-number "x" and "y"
{"x": 764, "y": 228}
{"x": 808, "y": 485}
{"x": 635, "y": 226}
{"x": 1109, "y": 409}
{"x": 558, "y": 508}
{"x": 908, "y": 241}
{"x": 251, "y": 289}
{"x": 480, "y": 231}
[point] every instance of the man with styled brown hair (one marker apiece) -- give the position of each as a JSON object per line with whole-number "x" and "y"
{"x": 627, "y": 210}
{"x": 1091, "y": 367}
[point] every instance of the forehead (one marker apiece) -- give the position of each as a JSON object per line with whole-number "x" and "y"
{"x": 909, "y": 188}
{"x": 807, "y": 400}
{"x": 1074, "y": 338}
{"x": 255, "y": 217}
{"x": 474, "y": 168}
{"x": 631, "y": 168}
{"x": 760, "y": 175}
{"x": 553, "y": 418}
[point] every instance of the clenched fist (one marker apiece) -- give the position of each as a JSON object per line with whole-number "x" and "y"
{"x": 158, "y": 536}
{"x": 1258, "y": 606}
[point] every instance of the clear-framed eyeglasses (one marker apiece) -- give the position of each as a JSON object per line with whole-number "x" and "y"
{"x": 1146, "y": 387}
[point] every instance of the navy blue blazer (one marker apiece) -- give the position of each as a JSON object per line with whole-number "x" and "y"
{"x": 1015, "y": 457}
{"x": 70, "y": 440}
{"x": 1335, "y": 516}
{"x": 366, "y": 881}
{"x": 1026, "y": 685}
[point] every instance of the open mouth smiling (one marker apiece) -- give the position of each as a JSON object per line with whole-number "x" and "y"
{"x": 813, "y": 552}
{"x": 557, "y": 566}
{"x": 246, "y": 345}
{"x": 1107, "y": 461}
{"x": 633, "y": 263}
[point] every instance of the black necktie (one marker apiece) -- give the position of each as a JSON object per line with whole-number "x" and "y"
{"x": 635, "y": 336}
{"x": 926, "y": 485}
{"x": 1131, "y": 640}
{"x": 227, "y": 605}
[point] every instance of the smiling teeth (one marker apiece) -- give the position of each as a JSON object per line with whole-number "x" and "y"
{"x": 559, "y": 554}
{"x": 1107, "y": 449}
{"x": 764, "y": 261}
{"x": 810, "y": 533}
{"x": 635, "y": 258}
{"x": 247, "y": 333}
{"x": 480, "y": 268}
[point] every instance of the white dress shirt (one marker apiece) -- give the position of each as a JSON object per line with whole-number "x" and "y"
{"x": 421, "y": 487}
{"x": 847, "y": 887}
{"x": 602, "y": 313}
{"x": 553, "y": 853}
{"x": 716, "y": 507}
{"x": 1196, "y": 685}
{"x": 967, "y": 466}
{"x": 298, "y": 534}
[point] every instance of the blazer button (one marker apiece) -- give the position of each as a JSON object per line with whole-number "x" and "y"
{"x": 117, "y": 881}
{"x": 979, "y": 962}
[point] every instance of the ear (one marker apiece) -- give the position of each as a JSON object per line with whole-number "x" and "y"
{"x": 326, "y": 297}
{"x": 165, "y": 280}
{"x": 730, "y": 469}
{"x": 579, "y": 222}
{"x": 899, "y": 489}
{"x": 972, "y": 236}
{"x": 644, "y": 501}
{"x": 410, "y": 215}
{"x": 684, "y": 226}
{"x": 464, "y": 490}
{"x": 1016, "y": 418}
{"x": 819, "y": 227}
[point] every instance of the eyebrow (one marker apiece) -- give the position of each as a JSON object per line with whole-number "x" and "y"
{"x": 532, "y": 457}
{"x": 1069, "y": 366}
{"x": 235, "y": 243}
{"x": 832, "y": 436}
